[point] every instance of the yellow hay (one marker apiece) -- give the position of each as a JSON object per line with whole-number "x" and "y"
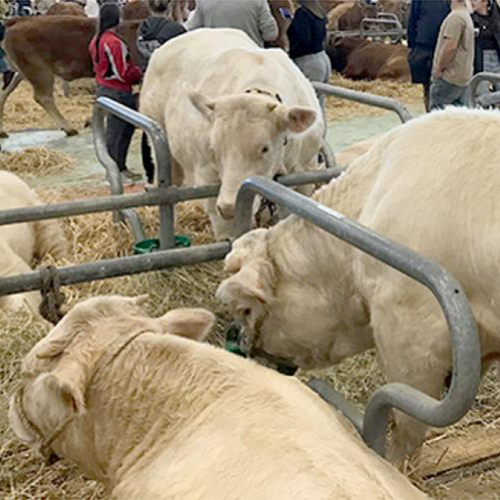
{"x": 35, "y": 162}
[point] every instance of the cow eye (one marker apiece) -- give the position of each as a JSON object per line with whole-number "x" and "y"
{"x": 247, "y": 311}
{"x": 285, "y": 141}
{"x": 265, "y": 149}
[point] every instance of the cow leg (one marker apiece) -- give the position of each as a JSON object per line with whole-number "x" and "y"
{"x": 413, "y": 346}
{"x": 43, "y": 89}
{"x": 4, "y": 94}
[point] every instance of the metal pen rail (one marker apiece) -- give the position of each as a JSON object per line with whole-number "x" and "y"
{"x": 473, "y": 100}
{"x": 463, "y": 331}
{"x": 365, "y": 98}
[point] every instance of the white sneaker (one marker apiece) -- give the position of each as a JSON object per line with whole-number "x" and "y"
{"x": 128, "y": 175}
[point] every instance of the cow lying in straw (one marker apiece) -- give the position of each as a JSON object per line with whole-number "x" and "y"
{"x": 432, "y": 185}
{"x": 20, "y": 244}
{"x": 225, "y": 123}
{"x": 139, "y": 405}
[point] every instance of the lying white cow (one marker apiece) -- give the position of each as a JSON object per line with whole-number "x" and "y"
{"x": 231, "y": 110}
{"x": 432, "y": 185}
{"x": 20, "y": 244}
{"x": 157, "y": 416}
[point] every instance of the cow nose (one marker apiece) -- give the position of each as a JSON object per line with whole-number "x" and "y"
{"x": 226, "y": 210}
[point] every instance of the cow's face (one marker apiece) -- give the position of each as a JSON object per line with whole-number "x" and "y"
{"x": 300, "y": 320}
{"x": 249, "y": 134}
{"x": 56, "y": 373}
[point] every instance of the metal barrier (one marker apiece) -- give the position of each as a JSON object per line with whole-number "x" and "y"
{"x": 485, "y": 100}
{"x": 165, "y": 196}
{"x": 461, "y": 324}
{"x": 365, "y": 98}
{"x": 390, "y": 26}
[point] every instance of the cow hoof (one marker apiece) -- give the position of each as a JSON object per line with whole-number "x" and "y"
{"x": 3, "y": 135}
{"x": 71, "y": 132}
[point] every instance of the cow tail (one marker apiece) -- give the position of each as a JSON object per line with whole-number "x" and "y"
{"x": 147, "y": 158}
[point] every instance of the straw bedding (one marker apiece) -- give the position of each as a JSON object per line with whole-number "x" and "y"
{"x": 93, "y": 237}
{"x": 35, "y": 162}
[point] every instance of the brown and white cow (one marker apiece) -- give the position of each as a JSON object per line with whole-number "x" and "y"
{"x": 361, "y": 59}
{"x": 44, "y": 47}
{"x": 141, "y": 406}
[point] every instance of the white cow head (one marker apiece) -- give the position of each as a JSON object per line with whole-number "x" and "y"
{"x": 248, "y": 136}
{"x": 58, "y": 370}
{"x": 311, "y": 319}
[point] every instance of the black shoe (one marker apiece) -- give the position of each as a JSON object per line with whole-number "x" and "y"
{"x": 7, "y": 78}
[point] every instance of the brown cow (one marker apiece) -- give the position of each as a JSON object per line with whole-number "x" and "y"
{"x": 401, "y": 8}
{"x": 361, "y": 59}
{"x": 66, "y": 9}
{"x": 135, "y": 10}
{"x": 41, "y": 48}
{"x": 348, "y": 15}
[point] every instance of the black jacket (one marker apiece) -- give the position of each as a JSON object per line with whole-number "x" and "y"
{"x": 425, "y": 21}
{"x": 306, "y": 34}
{"x": 154, "y": 32}
{"x": 478, "y": 47}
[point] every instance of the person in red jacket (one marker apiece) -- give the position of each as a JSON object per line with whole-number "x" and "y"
{"x": 115, "y": 75}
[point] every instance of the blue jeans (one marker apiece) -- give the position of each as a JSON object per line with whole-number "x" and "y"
{"x": 443, "y": 94}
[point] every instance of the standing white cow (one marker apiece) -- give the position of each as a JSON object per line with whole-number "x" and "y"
{"x": 20, "y": 244}
{"x": 158, "y": 416}
{"x": 432, "y": 185}
{"x": 231, "y": 110}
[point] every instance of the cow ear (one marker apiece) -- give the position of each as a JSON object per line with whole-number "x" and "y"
{"x": 298, "y": 119}
{"x": 54, "y": 399}
{"x": 202, "y": 103}
{"x": 245, "y": 284}
{"x": 189, "y": 323}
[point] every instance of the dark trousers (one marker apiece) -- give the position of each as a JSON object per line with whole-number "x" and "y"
{"x": 118, "y": 133}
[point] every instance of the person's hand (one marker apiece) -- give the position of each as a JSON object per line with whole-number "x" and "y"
{"x": 438, "y": 73}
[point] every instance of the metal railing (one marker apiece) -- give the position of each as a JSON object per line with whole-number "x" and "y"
{"x": 463, "y": 331}
{"x": 473, "y": 100}
{"x": 365, "y": 98}
{"x": 165, "y": 196}
{"x": 386, "y": 25}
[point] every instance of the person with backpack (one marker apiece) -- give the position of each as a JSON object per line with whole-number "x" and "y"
{"x": 115, "y": 75}
{"x": 158, "y": 28}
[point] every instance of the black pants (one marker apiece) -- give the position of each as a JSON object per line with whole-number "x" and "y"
{"x": 118, "y": 133}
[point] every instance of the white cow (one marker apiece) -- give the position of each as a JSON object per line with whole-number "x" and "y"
{"x": 157, "y": 416}
{"x": 432, "y": 185}
{"x": 20, "y": 244}
{"x": 351, "y": 153}
{"x": 231, "y": 110}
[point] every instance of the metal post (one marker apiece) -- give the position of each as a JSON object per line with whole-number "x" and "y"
{"x": 365, "y": 98}
{"x": 161, "y": 152}
{"x": 464, "y": 339}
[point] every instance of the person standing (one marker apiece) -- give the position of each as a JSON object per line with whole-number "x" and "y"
{"x": 115, "y": 75}
{"x": 251, "y": 16}
{"x": 307, "y": 36}
{"x": 158, "y": 28}
{"x": 486, "y": 19}
{"x": 424, "y": 22}
{"x": 453, "y": 65}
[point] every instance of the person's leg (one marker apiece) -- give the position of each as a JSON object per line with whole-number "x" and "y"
{"x": 427, "y": 93}
{"x": 443, "y": 93}
{"x": 126, "y": 131}
{"x": 316, "y": 67}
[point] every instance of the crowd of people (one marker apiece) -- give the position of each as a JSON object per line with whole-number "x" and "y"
{"x": 448, "y": 44}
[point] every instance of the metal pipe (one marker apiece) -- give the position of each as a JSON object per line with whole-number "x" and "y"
{"x": 365, "y": 98}
{"x": 464, "y": 339}
{"x": 161, "y": 153}
{"x": 134, "y": 221}
{"x": 470, "y": 97}
{"x": 113, "y": 268}
{"x": 335, "y": 399}
{"x": 154, "y": 197}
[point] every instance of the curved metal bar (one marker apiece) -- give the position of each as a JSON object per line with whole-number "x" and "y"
{"x": 365, "y": 98}
{"x": 464, "y": 339}
{"x": 161, "y": 150}
{"x": 471, "y": 99}
{"x": 134, "y": 221}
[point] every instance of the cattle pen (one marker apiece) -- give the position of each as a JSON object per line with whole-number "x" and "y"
{"x": 121, "y": 203}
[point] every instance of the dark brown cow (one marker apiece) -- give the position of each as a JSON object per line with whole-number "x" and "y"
{"x": 41, "y": 48}
{"x": 360, "y": 59}
{"x": 66, "y": 9}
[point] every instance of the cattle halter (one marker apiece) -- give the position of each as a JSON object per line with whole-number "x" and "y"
{"x": 45, "y": 449}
